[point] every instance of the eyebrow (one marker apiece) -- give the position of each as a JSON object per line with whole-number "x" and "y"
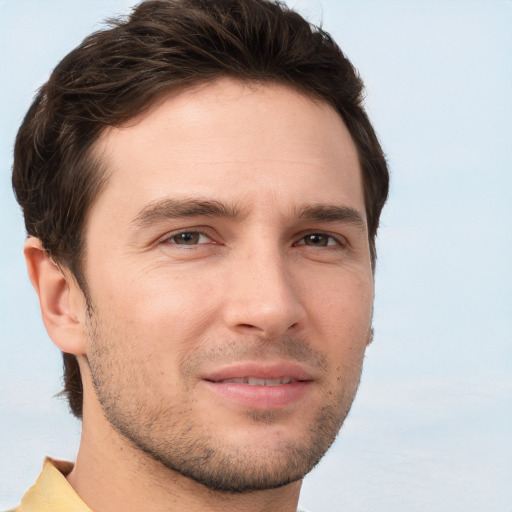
{"x": 164, "y": 209}
{"x": 331, "y": 213}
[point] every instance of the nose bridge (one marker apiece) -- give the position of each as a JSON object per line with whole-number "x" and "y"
{"x": 262, "y": 296}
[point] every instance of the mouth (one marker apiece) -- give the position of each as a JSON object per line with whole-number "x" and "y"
{"x": 255, "y": 381}
{"x": 260, "y": 386}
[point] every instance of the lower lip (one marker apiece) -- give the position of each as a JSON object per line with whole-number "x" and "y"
{"x": 260, "y": 397}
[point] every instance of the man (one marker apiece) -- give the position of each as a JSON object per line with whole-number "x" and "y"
{"x": 202, "y": 190}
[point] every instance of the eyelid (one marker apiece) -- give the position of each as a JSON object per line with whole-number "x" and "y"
{"x": 340, "y": 240}
{"x": 196, "y": 230}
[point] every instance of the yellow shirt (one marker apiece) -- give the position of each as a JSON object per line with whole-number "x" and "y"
{"x": 52, "y": 492}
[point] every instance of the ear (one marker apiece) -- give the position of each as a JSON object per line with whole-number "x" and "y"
{"x": 62, "y": 302}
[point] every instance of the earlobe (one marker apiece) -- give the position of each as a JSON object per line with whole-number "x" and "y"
{"x": 62, "y": 313}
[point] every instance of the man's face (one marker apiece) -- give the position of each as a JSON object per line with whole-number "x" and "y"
{"x": 230, "y": 283}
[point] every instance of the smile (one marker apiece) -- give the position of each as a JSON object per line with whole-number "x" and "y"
{"x": 254, "y": 381}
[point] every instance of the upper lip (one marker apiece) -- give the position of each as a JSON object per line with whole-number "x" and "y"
{"x": 259, "y": 370}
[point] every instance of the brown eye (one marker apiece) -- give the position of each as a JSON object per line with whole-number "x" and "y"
{"x": 318, "y": 240}
{"x": 188, "y": 238}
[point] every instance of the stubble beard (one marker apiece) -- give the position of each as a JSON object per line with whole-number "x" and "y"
{"x": 170, "y": 434}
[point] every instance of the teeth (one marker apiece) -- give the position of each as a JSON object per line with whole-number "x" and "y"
{"x": 253, "y": 381}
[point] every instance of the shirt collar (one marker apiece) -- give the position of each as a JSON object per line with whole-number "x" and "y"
{"x": 52, "y": 491}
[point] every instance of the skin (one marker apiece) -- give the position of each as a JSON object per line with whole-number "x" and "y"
{"x": 270, "y": 281}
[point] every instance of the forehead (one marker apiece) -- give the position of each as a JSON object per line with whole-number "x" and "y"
{"x": 231, "y": 141}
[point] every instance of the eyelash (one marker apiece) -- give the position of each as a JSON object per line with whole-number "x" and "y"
{"x": 338, "y": 243}
{"x": 169, "y": 238}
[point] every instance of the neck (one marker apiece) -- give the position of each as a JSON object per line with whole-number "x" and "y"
{"x": 111, "y": 475}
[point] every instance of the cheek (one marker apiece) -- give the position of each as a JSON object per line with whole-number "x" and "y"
{"x": 341, "y": 315}
{"x": 158, "y": 311}
{"x": 343, "y": 302}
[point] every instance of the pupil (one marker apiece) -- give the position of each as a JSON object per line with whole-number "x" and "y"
{"x": 188, "y": 238}
{"x": 317, "y": 240}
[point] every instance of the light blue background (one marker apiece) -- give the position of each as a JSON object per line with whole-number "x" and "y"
{"x": 431, "y": 429}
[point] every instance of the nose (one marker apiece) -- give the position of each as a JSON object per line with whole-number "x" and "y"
{"x": 262, "y": 297}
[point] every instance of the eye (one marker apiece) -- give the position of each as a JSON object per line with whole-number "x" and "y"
{"x": 318, "y": 240}
{"x": 188, "y": 238}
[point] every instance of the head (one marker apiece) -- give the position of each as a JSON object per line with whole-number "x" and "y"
{"x": 138, "y": 70}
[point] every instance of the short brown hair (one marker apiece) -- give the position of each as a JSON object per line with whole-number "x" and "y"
{"x": 118, "y": 72}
